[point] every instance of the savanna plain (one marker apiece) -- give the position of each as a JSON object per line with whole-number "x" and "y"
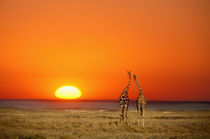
{"x": 49, "y": 123}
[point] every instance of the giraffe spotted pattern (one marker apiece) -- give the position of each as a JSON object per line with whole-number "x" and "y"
{"x": 140, "y": 102}
{"x": 124, "y": 101}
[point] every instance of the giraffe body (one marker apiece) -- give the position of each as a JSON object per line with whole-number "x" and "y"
{"x": 140, "y": 103}
{"x": 124, "y": 102}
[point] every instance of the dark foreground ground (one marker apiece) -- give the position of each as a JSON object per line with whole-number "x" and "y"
{"x": 25, "y": 123}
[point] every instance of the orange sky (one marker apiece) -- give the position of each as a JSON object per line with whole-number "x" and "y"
{"x": 91, "y": 43}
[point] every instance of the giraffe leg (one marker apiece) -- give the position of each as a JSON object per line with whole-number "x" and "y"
{"x": 121, "y": 115}
{"x": 138, "y": 113}
{"x": 124, "y": 118}
{"x": 120, "y": 118}
{"x": 126, "y": 110}
{"x": 143, "y": 112}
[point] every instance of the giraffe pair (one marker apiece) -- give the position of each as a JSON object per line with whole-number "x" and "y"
{"x": 124, "y": 101}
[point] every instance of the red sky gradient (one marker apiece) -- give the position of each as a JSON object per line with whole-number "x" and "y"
{"x": 91, "y": 43}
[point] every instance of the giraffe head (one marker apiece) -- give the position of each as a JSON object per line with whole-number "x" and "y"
{"x": 134, "y": 77}
{"x": 129, "y": 74}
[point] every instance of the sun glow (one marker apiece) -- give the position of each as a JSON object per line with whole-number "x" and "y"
{"x": 68, "y": 92}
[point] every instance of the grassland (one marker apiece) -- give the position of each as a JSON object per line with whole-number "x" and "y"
{"x": 42, "y": 123}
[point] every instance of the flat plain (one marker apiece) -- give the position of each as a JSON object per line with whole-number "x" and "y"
{"x": 49, "y": 123}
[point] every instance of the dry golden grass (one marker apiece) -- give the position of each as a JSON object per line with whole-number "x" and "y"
{"x": 24, "y": 123}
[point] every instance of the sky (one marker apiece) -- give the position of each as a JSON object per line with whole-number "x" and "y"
{"x": 89, "y": 44}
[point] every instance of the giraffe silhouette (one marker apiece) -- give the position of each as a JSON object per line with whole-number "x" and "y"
{"x": 140, "y": 102}
{"x": 124, "y": 101}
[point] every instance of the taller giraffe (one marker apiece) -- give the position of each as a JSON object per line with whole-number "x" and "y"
{"x": 124, "y": 101}
{"x": 140, "y": 102}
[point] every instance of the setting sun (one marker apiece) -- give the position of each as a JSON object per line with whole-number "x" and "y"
{"x": 67, "y": 92}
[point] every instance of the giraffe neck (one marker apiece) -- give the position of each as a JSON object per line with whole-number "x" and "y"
{"x": 127, "y": 87}
{"x": 140, "y": 91}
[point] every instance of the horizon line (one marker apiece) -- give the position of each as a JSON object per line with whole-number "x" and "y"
{"x": 104, "y": 100}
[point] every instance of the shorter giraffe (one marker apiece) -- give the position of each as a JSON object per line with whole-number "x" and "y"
{"x": 140, "y": 102}
{"x": 124, "y": 101}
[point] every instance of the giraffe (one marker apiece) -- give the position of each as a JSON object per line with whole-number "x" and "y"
{"x": 124, "y": 101}
{"x": 140, "y": 102}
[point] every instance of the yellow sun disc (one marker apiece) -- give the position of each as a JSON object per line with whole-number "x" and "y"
{"x": 68, "y": 92}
